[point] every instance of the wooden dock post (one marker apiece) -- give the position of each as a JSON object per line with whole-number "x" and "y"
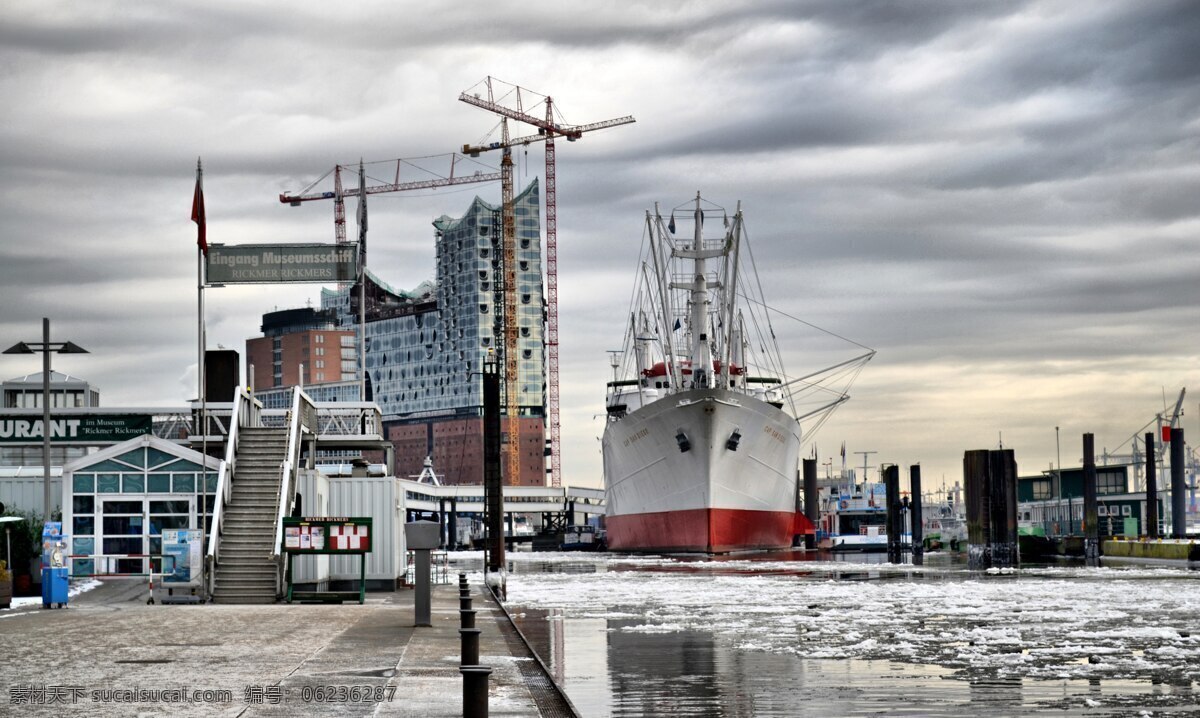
{"x": 1091, "y": 517}
{"x": 914, "y": 512}
{"x": 494, "y": 562}
{"x": 1178, "y": 487}
{"x": 990, "y": 478}
{"x": 895, "y": 520}
{"x": 811, "y": 510}
{"x": 1151, "y": 527}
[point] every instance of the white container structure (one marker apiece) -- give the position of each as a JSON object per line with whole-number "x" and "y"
{"x": 380, "y": 498}
{"x": 312, "y": 571}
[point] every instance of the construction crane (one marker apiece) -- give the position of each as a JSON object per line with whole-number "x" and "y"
{"x": 339, "y": 194}
{"x": 548, "y": 129}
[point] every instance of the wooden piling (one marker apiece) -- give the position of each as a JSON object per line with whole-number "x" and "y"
{"x": 895, "y": 521}
{"x": 1178, "y": 487}
{"x": 914, "y": 512}
{"x": 990, "y": 478}
{"x": 1091, "y": 518}
{"x": 811, "y": 508}
{"x": 493, "y": 496}
{"x": 1151, "y": 528}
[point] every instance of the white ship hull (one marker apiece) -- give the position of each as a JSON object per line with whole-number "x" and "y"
{"x": 710, "y": 490}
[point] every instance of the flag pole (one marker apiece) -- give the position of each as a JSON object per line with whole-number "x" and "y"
{"x": 201, "y": 250}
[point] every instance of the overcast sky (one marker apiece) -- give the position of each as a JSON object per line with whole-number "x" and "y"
{"x": 1003, "y": 199}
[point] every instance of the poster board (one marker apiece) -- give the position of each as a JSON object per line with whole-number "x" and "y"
{"x": 338, "y": 535}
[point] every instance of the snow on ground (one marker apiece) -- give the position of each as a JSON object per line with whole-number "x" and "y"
{"x": 76, "y": 588}
{"x": 1036, "y": 623}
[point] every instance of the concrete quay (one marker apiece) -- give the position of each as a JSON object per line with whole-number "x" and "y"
{"x": 110, "y": 654}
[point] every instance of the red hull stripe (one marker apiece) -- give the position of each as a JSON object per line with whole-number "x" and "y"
{"x": 708, "y": 530}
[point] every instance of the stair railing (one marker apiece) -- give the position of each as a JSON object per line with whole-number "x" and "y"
{"x": 301, "y": 420}
{"x": 247, "y": 411}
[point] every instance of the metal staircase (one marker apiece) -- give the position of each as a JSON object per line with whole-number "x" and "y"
{"x": 248, "y": 572}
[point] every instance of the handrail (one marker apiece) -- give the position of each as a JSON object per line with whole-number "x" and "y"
{"x": 303, "y": 419}
{"x": 246, "y": 411}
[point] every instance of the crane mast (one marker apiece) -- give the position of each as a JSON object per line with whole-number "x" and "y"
{"x": 552, "y": 304}
{"x": 508, "y": 241}
{"x": 548, "y": 129}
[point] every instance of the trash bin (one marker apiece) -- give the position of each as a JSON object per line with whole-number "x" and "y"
{"x": 54, "y": 587}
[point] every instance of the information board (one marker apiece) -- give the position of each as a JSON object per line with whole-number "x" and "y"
{"x": 330, "y": 535}
{"x": 184, "y": 546}
{"x": 327, "y": 534}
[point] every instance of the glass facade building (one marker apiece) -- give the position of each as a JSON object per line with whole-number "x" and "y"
{"x": 425, "y": 349}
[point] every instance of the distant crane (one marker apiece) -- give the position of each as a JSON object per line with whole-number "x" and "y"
{"x": 548, "y": 129}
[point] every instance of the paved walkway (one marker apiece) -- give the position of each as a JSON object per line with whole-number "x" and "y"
{"x": 110, "y": 654}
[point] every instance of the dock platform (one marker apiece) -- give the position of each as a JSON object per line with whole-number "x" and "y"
{"x": 108, "y": 653}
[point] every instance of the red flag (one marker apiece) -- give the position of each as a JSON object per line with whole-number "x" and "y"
{"x": 198, "y": 212}
{"x": 1166, "y": 434}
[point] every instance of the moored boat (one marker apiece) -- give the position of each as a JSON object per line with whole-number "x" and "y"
{"x": 699, "y": 451}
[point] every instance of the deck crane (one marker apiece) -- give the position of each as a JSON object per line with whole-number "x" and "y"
{"x": 548, "y": 129}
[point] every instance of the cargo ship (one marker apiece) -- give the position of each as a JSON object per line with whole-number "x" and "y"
{"x": 699, "y": 452}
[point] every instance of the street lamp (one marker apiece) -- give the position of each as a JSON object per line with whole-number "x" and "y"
{"x": 45, "y": 347}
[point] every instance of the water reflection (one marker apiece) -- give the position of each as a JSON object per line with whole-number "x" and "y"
{"x": 650, "y": 653}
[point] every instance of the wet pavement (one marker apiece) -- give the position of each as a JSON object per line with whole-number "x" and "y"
{"x": 110, "y": 654}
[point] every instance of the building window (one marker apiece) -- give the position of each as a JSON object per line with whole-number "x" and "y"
{"x": 1041, "y": 489}
{"x": 1110, "y": 482}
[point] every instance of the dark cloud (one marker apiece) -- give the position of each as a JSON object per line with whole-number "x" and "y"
{"x": 987, "y": 193}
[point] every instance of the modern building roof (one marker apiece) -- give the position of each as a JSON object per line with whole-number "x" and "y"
{"x": 55, "y": 378}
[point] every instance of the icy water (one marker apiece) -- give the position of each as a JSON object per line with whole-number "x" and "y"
{"x": 794, "y": 634}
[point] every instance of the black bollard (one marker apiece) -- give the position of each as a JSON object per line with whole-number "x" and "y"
{"x": 467, "y": 617}
{"x": 1091, "y": 514}
{"x": 1178, "y": 487}
{"x": 918, "y": 531}
{"x": 470, "y": 646}
{"x": 895, "y": 521}
{"x": 464, "y": 603}
{"x": 1151, "y": 527}
{"x": 475, "y": 691}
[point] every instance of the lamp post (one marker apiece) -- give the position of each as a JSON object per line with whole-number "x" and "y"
{"x": 45, "y": 347}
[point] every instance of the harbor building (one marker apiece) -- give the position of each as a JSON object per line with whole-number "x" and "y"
{"x": 425, "y": 348}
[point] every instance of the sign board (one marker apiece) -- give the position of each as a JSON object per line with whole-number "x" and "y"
{"x": 99, "y": 428}
{"x": 185, "y": 546}
{"x": 273, "y": 263}
{"x": 327, "y": 534}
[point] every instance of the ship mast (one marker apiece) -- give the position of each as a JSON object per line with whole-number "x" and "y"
{"x": 665, "y": 296}
{"x": 733, "y": 247}
{"x": 701, "y": 350}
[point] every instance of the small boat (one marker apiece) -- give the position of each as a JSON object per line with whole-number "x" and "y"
{"x": 857, "y": 521}
{"x": 944, "y": 527}
{"x": 583, "y": 538}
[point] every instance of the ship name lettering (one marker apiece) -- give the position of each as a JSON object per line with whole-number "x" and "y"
{"x": 640, "y": 434}
{"x": 776, "y": 435}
